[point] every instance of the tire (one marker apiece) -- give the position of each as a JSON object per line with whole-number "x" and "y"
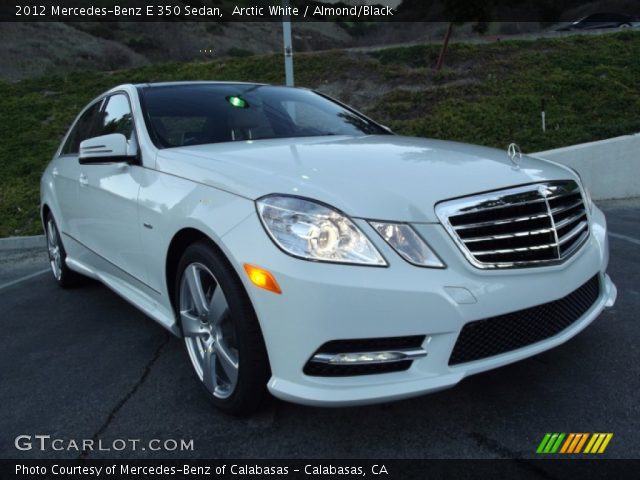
{"x": 63, "y": 276}
{"x": 221, "y": 331}
{"x": 625, "y": 26}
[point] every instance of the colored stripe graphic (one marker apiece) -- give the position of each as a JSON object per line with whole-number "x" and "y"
{"x": 555, "y": 447}
{"x": 598, "y": 443}
{"x": 550, "y": 443}
{"x": 556, "y": 443}
{"x": 604, "y": 445}
{"x": 581, "y": 442}
{"x": 567, "y": 443}
{"x": 543, "y": 443}
{"x": 591, "y": 443}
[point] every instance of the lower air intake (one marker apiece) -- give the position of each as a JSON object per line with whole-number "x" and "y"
{"x": 493, "y": 336}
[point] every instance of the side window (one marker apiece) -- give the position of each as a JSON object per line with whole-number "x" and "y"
{"x": 82, "y": 130}
{"x": 116, "y": 117}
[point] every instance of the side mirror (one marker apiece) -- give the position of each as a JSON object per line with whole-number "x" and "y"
{"x": 112, "y": 148}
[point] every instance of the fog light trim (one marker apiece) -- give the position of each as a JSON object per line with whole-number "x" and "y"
{"x": 368, "y": 358}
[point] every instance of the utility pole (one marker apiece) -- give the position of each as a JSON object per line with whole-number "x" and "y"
{"x": 288, "y": 48}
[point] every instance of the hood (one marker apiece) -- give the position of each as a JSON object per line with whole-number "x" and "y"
{"x": 383, "y": 177}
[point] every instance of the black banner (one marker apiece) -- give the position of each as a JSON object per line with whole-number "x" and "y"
{"x": 304, "y": 10}
{"x": 305, "y": 469}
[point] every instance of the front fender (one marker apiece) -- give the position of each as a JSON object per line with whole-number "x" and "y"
{"x": 169, "y": 205}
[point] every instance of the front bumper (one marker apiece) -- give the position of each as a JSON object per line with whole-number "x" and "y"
{"x": 322, "y": 302}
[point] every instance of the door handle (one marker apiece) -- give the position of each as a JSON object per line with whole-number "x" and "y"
{"x": 54, "y": 172}
{"x": 83, "y": 179}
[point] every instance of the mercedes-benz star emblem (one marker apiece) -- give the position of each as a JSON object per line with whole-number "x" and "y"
{"x": 545, "y": 191}
{"x": 515, "y": 154}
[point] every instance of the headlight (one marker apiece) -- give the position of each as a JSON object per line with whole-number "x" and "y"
{"x": 404, "y": 240}
{"x": 585, "y": 190}
{"x": 310, "y": 230}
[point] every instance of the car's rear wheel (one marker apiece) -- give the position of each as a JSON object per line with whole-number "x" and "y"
{"x": 64, "y": 276}
{"x": 221, "y": 331}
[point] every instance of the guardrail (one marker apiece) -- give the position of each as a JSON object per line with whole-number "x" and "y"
{"x": 609, "y": 168}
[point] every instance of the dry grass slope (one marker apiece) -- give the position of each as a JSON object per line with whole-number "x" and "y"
{"x": 489, "y": 94}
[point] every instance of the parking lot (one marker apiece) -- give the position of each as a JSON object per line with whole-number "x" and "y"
{"x": 84, "y": 364}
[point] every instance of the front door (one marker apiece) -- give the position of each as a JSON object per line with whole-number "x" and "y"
{"x": 66, "y": 171}
{"x": 108, "y": 197}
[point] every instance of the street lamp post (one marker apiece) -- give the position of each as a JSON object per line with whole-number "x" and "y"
{"x": 288, "y": 48}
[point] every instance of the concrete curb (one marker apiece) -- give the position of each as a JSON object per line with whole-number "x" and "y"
{"x": 22, "y": 243}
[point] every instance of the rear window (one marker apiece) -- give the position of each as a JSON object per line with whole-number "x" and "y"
{"x": 181, "y": 115}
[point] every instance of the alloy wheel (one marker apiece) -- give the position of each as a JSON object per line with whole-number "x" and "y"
{"x": 53, "y": 245}
{"x": 208, "y": 330}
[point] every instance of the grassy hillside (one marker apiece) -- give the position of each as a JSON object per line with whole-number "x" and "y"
{"x": 488, "y": 94}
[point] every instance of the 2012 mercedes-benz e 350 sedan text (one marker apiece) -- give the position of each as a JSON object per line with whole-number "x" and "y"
{"x": 301, "y": 248}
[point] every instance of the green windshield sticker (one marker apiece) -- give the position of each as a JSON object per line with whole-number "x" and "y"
{"x": 237, "y": 102}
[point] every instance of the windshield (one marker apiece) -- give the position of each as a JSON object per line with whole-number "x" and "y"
{"x": 179, "y": 115}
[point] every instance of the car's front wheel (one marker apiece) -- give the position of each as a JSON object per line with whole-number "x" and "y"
{"x": 58, "y": 256}
{"x": 221, "y": 331}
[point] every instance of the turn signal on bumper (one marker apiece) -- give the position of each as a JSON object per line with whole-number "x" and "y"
{"x": 262, "y": 278}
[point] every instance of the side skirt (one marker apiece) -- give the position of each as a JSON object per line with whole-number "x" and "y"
{"x": 85, "y": 261}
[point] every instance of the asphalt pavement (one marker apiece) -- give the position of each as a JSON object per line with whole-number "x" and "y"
{"x": 84, "y": 364}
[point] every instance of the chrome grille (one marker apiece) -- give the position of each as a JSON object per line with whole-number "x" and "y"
{"x": 541, "y": 223}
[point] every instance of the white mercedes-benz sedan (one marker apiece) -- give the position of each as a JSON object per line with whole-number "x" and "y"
{"x": 300, "y": 248}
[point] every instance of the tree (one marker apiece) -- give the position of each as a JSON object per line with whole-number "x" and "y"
{"x": 459, "y": 12}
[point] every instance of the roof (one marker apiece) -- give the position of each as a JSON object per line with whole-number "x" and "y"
{"x": 198, "y": 82}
